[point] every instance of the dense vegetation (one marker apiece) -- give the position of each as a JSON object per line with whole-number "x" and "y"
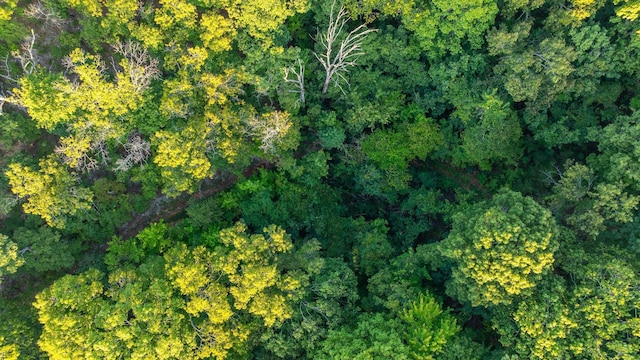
{"x": 308, "y": 179}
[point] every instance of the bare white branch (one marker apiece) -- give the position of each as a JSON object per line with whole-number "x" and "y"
{"x": 337, "y": 58}
{"x": 25, "y": 58}
{"x": 138, "y": 151}
{"x": 44, "y": 15}
{"x": 297, "y": 80}
{"x": 139, "y": 65}
{"x": 269, "y": 128}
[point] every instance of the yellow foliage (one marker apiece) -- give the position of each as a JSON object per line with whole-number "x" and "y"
{"x": 583, "y": 9}
{"x": 51, "y": 192}
{"x": 630, "y": 10}
{"x": 182, "y": 157}
{"x": 6, "y": 10}
{"x": 47, "y": 99}
{"x": 195, "y": 58}
{"x": 91, "y": 7}
{"x": 176, "y": 13}
{"x": 261, "y": 17}
{"x": 217, "y": 32}
{"x": 151, "y": 37}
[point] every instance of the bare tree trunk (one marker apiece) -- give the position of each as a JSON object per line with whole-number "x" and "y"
{"x": 298, "y": 81}
{"x": 338, "y": 55}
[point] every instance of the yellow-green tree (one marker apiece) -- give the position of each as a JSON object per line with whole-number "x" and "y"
{"x": 182, "y": 157}
{"x": 500, "y": 249}
{"x": 591, "y": 315}
{"x": 10, "y": 261}
{"x": 188, "y": 303}
{"x": 94, "y": 108}
{"x": 51, "y": 192}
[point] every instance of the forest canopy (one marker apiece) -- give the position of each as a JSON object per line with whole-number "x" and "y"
{"x": 319, "y": 179}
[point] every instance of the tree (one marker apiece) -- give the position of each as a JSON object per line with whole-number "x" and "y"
{"x": 428, "y": 327}
{"x": 52, "y": 192}
{"x": 182, "y": 157}
{"x": 500, "y": 249}
{"x": 43, "y": 249}
{"x": 329, "y": 301}
{"x": 543, "y": 321}
{"x": 297, "y": 81}
{"x": 10, "y": 260}
{"x": 46, "y": 98}
{"x": 586, "y": 204}
{"x": 337, "y": 54}
{"x": 8, "y": 351}
{"x": 494, "y": 137}
{"x": 182, "y": 302}
{"x": 373, "y": 337}
{"x": 591, "y": 315}
{"x": 275, "y": 131}
{"x": 419, "y": 331}
{"x": 393, "y": 149}
{"x": 371, "y": 250}
{"x": 443, "y": 26}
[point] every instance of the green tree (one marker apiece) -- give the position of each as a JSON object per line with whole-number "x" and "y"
{"x": 428, "y": 327}
{"x": 371, "y": 250}
{"x": 449, "y": 26}
{"x": 43, "y": 250}
{"x": 373, "y": 337}
{"x": 499, "y": 249}
{"x": 393, "y": 149}
{"x": 588, "y": 205}
{"x": 440, "y": 26}
{"x": 494, "y": 137}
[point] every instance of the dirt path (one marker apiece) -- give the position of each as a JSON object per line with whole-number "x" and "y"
{"x": 163, "y": 207}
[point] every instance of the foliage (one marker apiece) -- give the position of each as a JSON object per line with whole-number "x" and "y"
{"x": 185, "y": 303}
{"x": 9, "y": 262}
{"x": 51, "y": 192}
{"x": 428, "y": 327}
{"x": 592, "y": 317}
{"x": 182, "y": 158}
{"x": 281, "y": 217}
{"x": 500, "y": 249}
{"x": 43, "y": 250}
{"x": 373, "y": 337}
{"x": 494, "y": 137}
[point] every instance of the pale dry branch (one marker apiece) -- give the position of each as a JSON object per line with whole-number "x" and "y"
{"x": 25, "y": 58}
{"x": 6, "y": 70}
{"x": 138, "y": 151}
{"x": 270, "y": 129}
{"x": 45, "y": 16}
{"x": 297, "y": 80}
{"x": 553, "y": 177}
{"x": 139, "y": 65}
{"x": 338, "y": 55}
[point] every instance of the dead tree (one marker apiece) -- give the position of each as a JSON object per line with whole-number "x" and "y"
{"x": 297, "y": 81}
{"x": 25, "y": 58}
{"x": 338, "y": 55}
{"x": 137, "y": 150}
{"x": 140, "y": 66}
{"x": 270, "y": 129}
{"x": 45, "y": 16}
